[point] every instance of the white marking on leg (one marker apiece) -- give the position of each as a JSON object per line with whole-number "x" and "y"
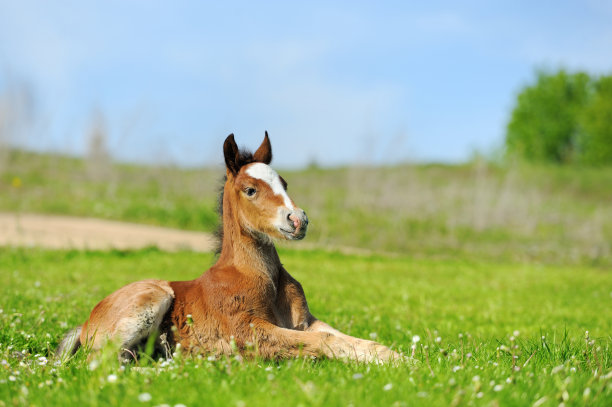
{"x": 328, "y": 329}
{"x": 268, "y": 175}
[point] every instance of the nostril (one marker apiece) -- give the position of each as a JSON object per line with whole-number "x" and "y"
{"x": 294, "y": 220}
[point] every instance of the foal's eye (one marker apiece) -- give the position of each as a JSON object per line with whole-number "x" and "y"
{"x": 250, "y": 191}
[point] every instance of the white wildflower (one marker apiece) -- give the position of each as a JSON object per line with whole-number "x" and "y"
{"x": 111, "y": 378}
{"x": 144, "y": 397}
{"x": 388, "y": 387}
{"x": 416, "y": 339}
{"x": 358, "y": 376}
{"x": 498, "y": 387}
{"x": 557, "y": 369}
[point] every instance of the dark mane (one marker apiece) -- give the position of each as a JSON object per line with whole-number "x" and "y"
{"x": 219, "y": 230}
{"x": 244, "y": 157}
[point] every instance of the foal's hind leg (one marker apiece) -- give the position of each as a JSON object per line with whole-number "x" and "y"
{"x": 128, "y": 316}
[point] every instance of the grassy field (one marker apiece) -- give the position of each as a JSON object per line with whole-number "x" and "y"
{"x": 490, "y": 275}
{"x": 546, "y": 215}
{"x": 484, "y": 333}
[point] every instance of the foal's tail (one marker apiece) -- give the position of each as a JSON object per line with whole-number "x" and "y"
{"x": 69, "y": 345}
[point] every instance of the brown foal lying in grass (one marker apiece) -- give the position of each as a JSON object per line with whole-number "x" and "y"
{"x": 246, "y": 302}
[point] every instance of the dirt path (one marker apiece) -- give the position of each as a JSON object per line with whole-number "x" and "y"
{"x": 61, "y": 232}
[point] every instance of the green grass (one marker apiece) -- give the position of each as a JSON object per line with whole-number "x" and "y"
{"x": 46, "y": 183}
{"x": 473, "y": 307}
{"x": 513, "y": 213}
{"x": 481, "y": 262}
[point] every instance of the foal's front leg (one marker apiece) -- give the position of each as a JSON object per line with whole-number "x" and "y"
{"x": 276, "y": 342}
{"x": 358, "y": 349}
{"x": 292, "y": 300}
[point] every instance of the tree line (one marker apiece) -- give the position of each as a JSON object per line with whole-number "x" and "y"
{"x": 563, "y": 118}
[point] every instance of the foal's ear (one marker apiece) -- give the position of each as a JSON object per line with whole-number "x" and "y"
{"x": 231, "y": 153}
{"x": 264, "y": 152}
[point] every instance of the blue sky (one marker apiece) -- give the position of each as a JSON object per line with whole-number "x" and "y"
{"x": 332, "y": 82}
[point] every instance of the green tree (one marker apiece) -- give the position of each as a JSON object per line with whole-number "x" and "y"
{"x": 544, "y": 124}
{"x": 596, "y": 125}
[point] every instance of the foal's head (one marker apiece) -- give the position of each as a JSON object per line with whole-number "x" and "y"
{"x": 257, "y": 195}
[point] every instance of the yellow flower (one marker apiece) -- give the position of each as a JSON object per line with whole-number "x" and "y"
{"x": 16, "y": 182}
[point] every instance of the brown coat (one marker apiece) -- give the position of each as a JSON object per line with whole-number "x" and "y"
{"x": 247, "y": 302}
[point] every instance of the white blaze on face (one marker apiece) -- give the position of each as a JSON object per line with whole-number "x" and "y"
{"x": 269, "y": 176}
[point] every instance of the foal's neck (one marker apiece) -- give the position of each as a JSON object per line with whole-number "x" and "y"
{"x": 248, "y": 253}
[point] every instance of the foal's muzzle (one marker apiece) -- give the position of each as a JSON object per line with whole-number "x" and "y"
{"x": 297, "y": 224}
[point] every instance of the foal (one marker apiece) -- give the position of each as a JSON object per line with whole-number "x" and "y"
{"x": 246, "y": 299}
